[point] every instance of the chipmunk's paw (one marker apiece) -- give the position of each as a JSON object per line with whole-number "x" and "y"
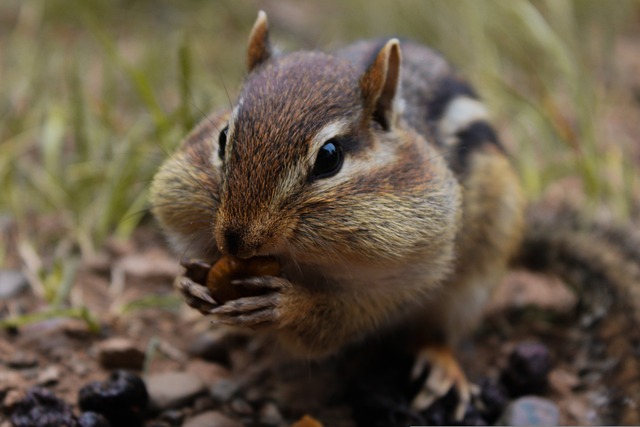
{"x": 195, "y": 295}
{"x": 444, "y": 374}
{"x": 257, "y": 311}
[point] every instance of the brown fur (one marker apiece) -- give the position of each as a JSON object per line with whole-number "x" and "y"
{"x": 411, "y": 235}
{"x": 376, "y": 244}
{"x": 259, "y": 50}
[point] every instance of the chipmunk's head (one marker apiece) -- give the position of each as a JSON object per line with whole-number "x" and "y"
{"x": 308, "y": 150}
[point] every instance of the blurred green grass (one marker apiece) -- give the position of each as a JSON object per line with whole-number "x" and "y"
{"x": 94, "y": 94}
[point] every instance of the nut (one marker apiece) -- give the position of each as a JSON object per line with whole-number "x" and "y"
{"x": 229, "y": 268}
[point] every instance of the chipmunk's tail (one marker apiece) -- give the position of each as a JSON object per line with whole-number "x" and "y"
{"x": 602, "y": 262}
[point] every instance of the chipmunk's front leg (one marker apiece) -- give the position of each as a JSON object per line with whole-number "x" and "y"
{"x": 309, "y": 322}
{"x": 261, "y": 309}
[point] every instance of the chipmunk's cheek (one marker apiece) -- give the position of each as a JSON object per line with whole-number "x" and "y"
{"x": 295, "y": 233}
{"x": 287, "y": 234}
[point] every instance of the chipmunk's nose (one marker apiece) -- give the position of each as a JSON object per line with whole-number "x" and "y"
{"x": 234, "y": 242}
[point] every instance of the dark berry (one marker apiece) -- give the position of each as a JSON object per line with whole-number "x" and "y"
{"x": 527, "y": 370}
{"x": 41, "y": 408}
{"x": 122, "y": 399}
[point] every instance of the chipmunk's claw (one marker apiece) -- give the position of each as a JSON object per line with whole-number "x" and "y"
{"x": 196, "y": 270}
{"x": 195, "y": 295}
{"x": 444, "y": 374}
{"x": 252, "y": 311}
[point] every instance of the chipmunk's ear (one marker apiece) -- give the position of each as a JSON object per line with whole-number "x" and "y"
{"x": 259, "y": 46}
{"x": 380, "y": 85}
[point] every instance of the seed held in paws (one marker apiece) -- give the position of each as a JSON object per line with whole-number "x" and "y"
{"x": 229, "y": 268}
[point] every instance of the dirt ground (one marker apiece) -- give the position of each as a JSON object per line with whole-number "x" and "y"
{"x": 62, "y": 355}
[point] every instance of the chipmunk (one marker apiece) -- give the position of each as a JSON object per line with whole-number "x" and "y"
{"x": 375, "y": 178}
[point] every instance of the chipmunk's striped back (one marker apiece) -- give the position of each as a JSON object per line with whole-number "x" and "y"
{"x": 436, "y": 101}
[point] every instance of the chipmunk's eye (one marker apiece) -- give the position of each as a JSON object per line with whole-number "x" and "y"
{"x": 329, "y": 160}
{"x": 222, "y": 142}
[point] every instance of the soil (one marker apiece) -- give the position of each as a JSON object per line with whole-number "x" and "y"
{"x": 247, "y": 378}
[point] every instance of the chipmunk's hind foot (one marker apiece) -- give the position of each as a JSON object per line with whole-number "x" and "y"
{"x": 443, "y": 374}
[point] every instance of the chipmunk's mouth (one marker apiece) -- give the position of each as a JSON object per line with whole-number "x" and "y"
{"x": 247, "y": 242}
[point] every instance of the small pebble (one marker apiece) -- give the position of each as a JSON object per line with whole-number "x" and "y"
{"x": 527, "y": 370}
{"x": 203, "y": 403}
{"x": 563, "y": 382}
{"x": 11, "y": 399}
{"x": 122, "y": 398}
{"x": 49, "y": 376}
{"x": 172, "y": 417}
{"x": 531, "y": 411}
{"x": 120, "y": 353}
{"x": 241, "y": 407}
{"x": 211, "y": 419}
{"x": 10, "y": 380}
{"x": 174, "y": 389}
{"x": 76, "y": 329}
{"x": 223, "y": 390}
{"x": 80, "y": 368}
{"x": 22, "y": 360}
{"x": 270, "y": 414}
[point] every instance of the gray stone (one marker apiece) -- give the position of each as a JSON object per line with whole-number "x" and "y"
{"x": 12, "y": 399}
{"x": 203, "y": 403}
{"x": 223, "y": 390}
{"x": 10, "y": 380}
{"x": 173, "y": 389}
{"x": 80, "y": 368}
{"x": 270, "y": 415}
{"x": 173, "y": 417}
{"x": 241, "y": 407}
{"x": 22, "y": 360}
{"x": 49, "y": 376}
{"x": 211, "y": 419}
{"x": 530, "y": 411}
{"x": 12, "y": 283}
{"x": 120, "y": 353}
